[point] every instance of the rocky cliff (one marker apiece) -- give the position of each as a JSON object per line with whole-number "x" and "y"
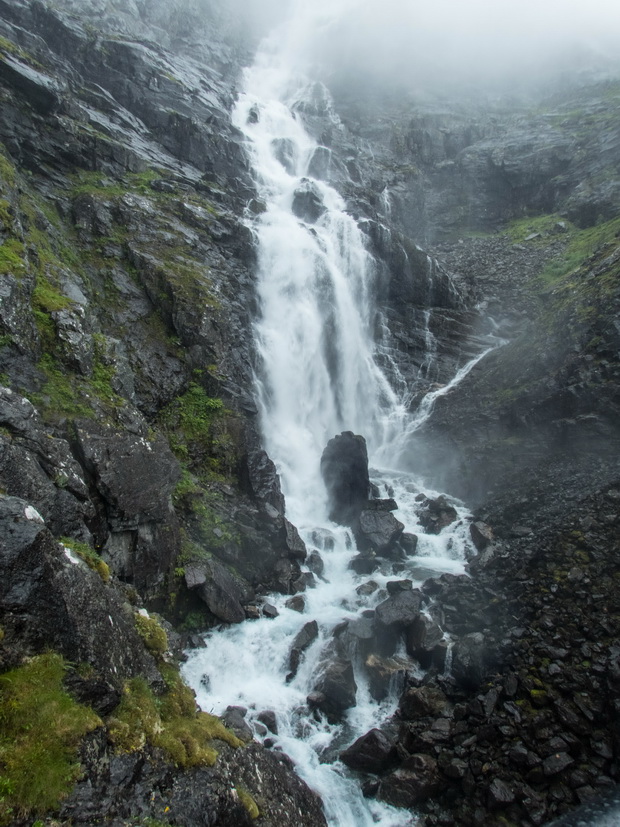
{"x": 132, "y": 478}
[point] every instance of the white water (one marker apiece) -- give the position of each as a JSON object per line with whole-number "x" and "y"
{"x": 318, "y": 378}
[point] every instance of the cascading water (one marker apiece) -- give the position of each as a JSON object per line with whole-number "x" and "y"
{"x": 318, "y": 377}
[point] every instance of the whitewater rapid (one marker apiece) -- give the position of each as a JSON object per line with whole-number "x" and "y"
{"x": 317, "y": 377}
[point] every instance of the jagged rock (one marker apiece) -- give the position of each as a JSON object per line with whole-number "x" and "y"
{"x": 260, "y": 479}
{"x": 417, "y": 780}
{"x": 422, "y": 640}
{"x": 223, "y": 592}
{"x": 372, "y": 752}
{"x": 295, "y": 545}
{"x": 304, "y": 638}
{"x": 422, "y": 702}
{"x": 408, "y": 542}
{"x": 481, "y": 535}
{"x": 400, "y": 609}
{"x": 50, "y": 599}
{"x": 377, "y": 531}
{"x": 384, "y": 673}
{"x": 234, "y": 718}
{"x": 308, "y": 202}
{"x": 355, "y": 637}
{"x": 297, "y": 603}
{"x": 337, "y": 687}
{"x": 285, "y": 152}
{"x": 344, "y": 467}
{"x": 315, "y": 563}
{"x": 499, "y": 794}
{"x": 364, "y": 563}
{"x": 437, "y": 514}
{"x": 468, "y": 660}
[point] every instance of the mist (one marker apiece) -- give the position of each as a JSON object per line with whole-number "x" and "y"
{"x": 430, "y": 44}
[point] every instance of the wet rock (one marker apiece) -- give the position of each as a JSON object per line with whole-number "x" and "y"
{"x": 468, "y": 660}
{"x": 50, "y": 600}
{"x": 304, "y": 638}
{"x": 417, "y": 780}
{"x": 364, "y": 563}
{"x": 315, "y": 563}
{"x": 223, "y": 592}
{"x": 344, "y": 467}
{"x": 269, "y": 719}
{"x": 308, "y": 202}
{"x": 437, "y": 514}
{"x": 422, "y": 640}
{"x": 408, "y": 543}
{"x": 481, "y": 535}
{"x": 385, "y": 674}
{"x": 337, "y": 687}
{"x": 295, "y": 545}
{"x": 285, "y": 151}
{"x": 394, "y": 615}
{"x": 269, "y": 610}
{"x": 234, "y": 718}
{"x": 297, "y": 603}
{"x": 499, "y": 794}
{"x": 370, "y": 587}
{"x": 422, "y": 702}
{"x": 372, "y": 752}
{"x": 377, "y": 531}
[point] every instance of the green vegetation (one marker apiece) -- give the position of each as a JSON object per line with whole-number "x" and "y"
{"x": 12, "y": 257}
{"x": 248, "y": 802}
{"x": 40, "y": 729}
{"x": 59, "y": 396}
{"x": 88, "y": 555}
{"x": 171, "y": 723}
{"x": 154, "y": 636}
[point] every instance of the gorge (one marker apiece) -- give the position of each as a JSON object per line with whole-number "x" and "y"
{"x": 218, "y": 267}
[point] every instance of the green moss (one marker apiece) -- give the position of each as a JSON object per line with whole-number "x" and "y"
{"x": 12, "y": 257}
{"x": 87, "y": 554}
{"x": 171, "y": 723}
{"x": 59, "y": 396}
{"x": 248, "y": 802}
{"x": 40, "y": 729}
{"x": 47, "y": 298}
{"x": 154, "y": 636}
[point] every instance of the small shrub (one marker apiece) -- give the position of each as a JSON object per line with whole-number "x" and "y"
{"x": 154, "y": 637}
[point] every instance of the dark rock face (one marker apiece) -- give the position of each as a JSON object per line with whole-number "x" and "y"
{"x": 336, "y": 690}
{"x": 377, "y": 531}
{"x": 344, "y": 466}
{"x": 416, "y": 781}
{"x": 307, "y": 202}
{"x": 51, "y": 599}
{"x": 371, "y": 752}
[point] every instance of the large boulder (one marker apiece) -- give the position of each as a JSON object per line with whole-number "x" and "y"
{"x": 344, "y": 466}
{"x": 372, "y": 752}
{"x": 336, "y": 690}
{"x": 394, "y": 615}
{"x": 377, "y": 531}
{"x": 437, "y": 514}
{"x": 416, "y": 780}
{"x": 223, "y": 592}
{"x": 308, "y": 202}
{"x": 307, "y": 635}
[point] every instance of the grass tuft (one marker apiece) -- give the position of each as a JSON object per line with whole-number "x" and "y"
{"x": 40, "y": 729}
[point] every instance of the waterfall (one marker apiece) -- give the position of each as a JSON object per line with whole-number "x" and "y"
{"x": 317, "y": 377}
